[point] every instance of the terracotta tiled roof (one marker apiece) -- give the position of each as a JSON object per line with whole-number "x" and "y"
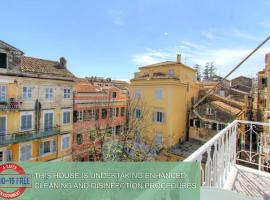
{"x": 83, "y": 87}
{"x": 41, "y": 66}
{"x": 226, "y": 107}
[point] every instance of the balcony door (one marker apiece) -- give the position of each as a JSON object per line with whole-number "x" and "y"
{"x": 3, "y": 127}
{"x": 48, "y": 121}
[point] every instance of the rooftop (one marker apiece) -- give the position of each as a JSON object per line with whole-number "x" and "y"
{"x": 45, "y": 67}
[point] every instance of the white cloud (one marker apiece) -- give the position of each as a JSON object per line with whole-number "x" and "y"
{"x": 214, "y": 33}
{"x": 117, "y": 17}
{"x": 225, "y": 59}
{"x": 240, "y": 34}
{"x": 208, "y": 34}
{"x": 165, "y": 34}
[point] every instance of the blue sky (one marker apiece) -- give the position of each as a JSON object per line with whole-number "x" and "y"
{"x": 112, "y": 38}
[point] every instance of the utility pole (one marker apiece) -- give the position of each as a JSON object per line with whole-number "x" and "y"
{"x": 236, "y": 67}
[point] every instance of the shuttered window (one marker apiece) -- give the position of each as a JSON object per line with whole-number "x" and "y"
{"x": 26, "y": 122}
{"x": 48, "y": 120}
{"x": 66, "y": 117}
{"x": 3, "y": 126}
{"x": 159, "y": 117}
{"x": 47, "y": 147}
{"x": 3, "y": 60}
{"x": 3, "y": 93}
{"x": 25, "y": 152}
{"x": 65, "y": 142}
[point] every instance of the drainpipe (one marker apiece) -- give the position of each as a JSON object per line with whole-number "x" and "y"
{"x": 187, "y": 125}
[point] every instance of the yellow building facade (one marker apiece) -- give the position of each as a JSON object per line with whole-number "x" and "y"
{"x": 36, "y": 107}
{"x": 167, "y": 89}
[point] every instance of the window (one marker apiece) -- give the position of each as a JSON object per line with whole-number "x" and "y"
{"x": 27, "y": 93}
{"x": 48, "y": 120}
{"x": 66, "y": 117}
{"x": 209, "y": 111}
{"x": 49, "y": 93}
{"x": 118, "y": 129}
{"x": 97, "y": 114}
{"x": 80, "y": 115}
{"x": 138, "y": 113}
{"x": 122, "y": 111}
{"x": 25, "y": 152}
{"x": 3, "y": 126}
{"x": 79, "y": 139}
{"x": 112, "y": 112}
{"x": 158, "y": 140}
{"x": 197, "y": 123}
{"x": 47, "y": 147}
{"x": 67, "y": 93}
{"x": 104, "y": 113}
{"x": 171, "y": 73}
{"x": 114, "y": 95}
{"x": 26, "y": 122}
{"x": 5, "y": 155}
{"x": 159, "y": 117}
{"x": 92, "y": 136}
{"x": 3, "y": 60}
{"x": 117, "y": 112}
{"x": 65, "y": 142}
{"x": 138, "y": 94}
{"x": 159, "y": 94}
{"x": 214, "y": 126}
{"x": 191, "y": 122}
{"x": 3, "y": 93}
{"x": 137, "y": 137}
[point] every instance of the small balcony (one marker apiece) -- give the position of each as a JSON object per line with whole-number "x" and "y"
{"x": 11, "y": 104}
{"x": 237, "y": 159}
{"x": 28, "y": 136}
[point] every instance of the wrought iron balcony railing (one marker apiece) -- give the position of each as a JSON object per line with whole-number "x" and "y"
{"x": 242, "y": 143}
{"x": 28, "y": 136}
{"x": 12, "y": 104}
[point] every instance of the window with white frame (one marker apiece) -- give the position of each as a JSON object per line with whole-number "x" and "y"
{"x": 26, "y": 121}
{"x": 66, "y": 117}
{"x": 3, "y": 93}
{"x": 48, "y": 120}
{"x": 25, "y": 152}
{"x": 159, "y": 117}
{"x": 27, "y": 93}
{"x": 65, "y": 142}
{"x": 67, "y": 93}
{"x": 159, "y": 94}
{"x": 138, "y": 93}
{"x": 5, "y": 155}
{"x": 47, "y": 147}
{"x": 48, "y": 93}
{"x": 80, "y": 115}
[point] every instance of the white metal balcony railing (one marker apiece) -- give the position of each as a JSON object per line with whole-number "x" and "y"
{"x": 241, "y": 143}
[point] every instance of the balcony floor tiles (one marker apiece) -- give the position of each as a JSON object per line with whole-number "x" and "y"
{"x": 249, "y": 182}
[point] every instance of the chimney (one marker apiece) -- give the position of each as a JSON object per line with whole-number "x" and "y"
{"x": 63, "y": 62}
{"x": 178, "y": 58}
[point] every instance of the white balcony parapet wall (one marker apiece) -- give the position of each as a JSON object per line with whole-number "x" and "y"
{"x": 241, "y": 142}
